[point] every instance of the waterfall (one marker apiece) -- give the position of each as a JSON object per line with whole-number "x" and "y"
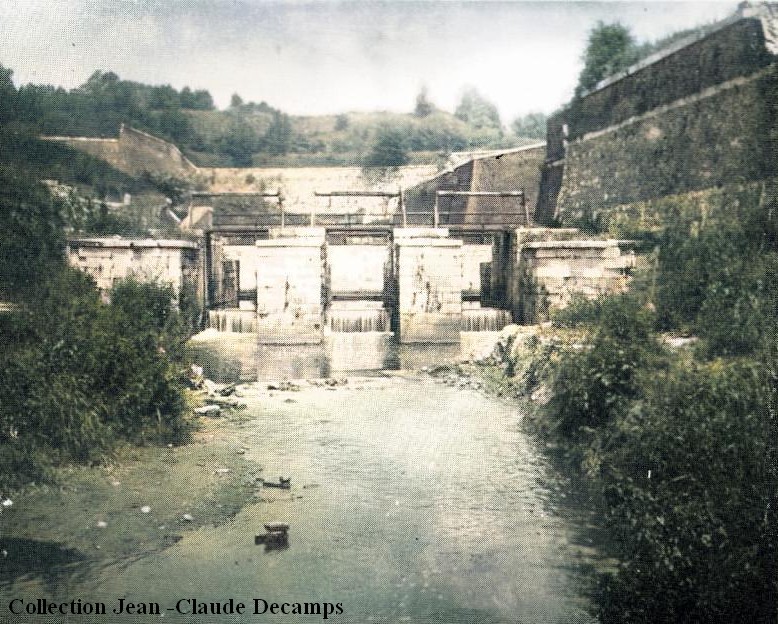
{"x": 479, "y": 319}
{"x": 358, "y": 316}
{"x": 237, "y": 321}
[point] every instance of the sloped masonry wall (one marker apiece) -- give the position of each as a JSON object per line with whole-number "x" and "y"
{"x": 699, "y": 115}
{"x": 737, "y": 202}
{"x": 133, "y": 152}
{"x": 716, "y": 138}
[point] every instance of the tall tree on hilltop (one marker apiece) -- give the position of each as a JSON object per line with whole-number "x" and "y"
{"x": 278, "y": 137}
{"x": 423, "y": 105}
{"x": 611, "y": 48}
{"x": 478, "y": 112}
{"x": 531, "y": 126}
{"x": 7, "y": 95}
{"x": 389, "y": 149}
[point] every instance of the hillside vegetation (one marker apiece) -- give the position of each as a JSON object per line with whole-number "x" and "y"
{"x": 77, "y": 376}
{"x": 257, "y": 134}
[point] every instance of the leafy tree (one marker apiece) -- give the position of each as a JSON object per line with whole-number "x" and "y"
{"x": 240, "y": 143}
{"x": 202, "y": 100}
{"x": 388, "y": 150}
{"x": 423, "y": 105}
{"x": 7, "y": 95}
{"x": 341, "y": 122}
{"x": 99, "y": 82}
{"x": 236, "y": 101}
{"x": 164, "y": 98}
{"x": 278, "y": 137}
{"x": 611, "y": 48}
{"x": 531, "y": 125}
{"x": 477, "y": 111}
{"x": 31, "y": 239}
{"x": 437, "y": 131}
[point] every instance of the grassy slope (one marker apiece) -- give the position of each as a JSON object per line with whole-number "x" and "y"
{"x": 328, "y": 140}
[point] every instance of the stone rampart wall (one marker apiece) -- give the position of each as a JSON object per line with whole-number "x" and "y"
{"x": 701, "y": 115}
{"x": 712, "y": 139}
{"x": 736, "y": 50}
{"x": 134, "y": 153}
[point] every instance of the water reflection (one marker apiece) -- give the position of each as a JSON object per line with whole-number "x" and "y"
{"x": 411, "y": 501}
{"x": 238, "y": 357}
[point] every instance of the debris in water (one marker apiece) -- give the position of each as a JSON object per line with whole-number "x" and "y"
{"x": 284, "y": 386}
{"x": 221, "y": 471}
{"x": 272, "y": 540}
{"x": 145, "y": 509}
{"x": 188, "y": 518}
{"x": 101, "y": 524}
{"x": 227, "y": 390}
{"x": 273, "y": 527}
{"x": 284, "y": 483}
{"x": 208, "y": 409}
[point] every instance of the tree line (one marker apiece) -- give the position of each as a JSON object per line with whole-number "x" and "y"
{"x": 250, "y": 133}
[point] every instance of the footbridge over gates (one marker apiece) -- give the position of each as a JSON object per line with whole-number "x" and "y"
{"x": 426, "y": 276}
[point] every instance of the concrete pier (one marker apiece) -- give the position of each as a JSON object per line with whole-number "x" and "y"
{"x": 290, "y": 286}
{"x": 429, "y": 278}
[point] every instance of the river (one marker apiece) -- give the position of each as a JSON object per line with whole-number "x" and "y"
{"x": 412, "y": 501}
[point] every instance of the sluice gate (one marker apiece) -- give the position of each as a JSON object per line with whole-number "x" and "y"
{"x": 421, "y": 284}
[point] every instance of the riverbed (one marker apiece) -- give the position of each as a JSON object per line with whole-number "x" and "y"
{"x": 411, "y": 501}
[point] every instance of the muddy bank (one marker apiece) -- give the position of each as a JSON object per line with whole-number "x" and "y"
{"x": 140, "y": 503}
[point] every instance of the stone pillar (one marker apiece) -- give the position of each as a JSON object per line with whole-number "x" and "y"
{"x": 290, "y": 285}
{"x": 429, "y": 279}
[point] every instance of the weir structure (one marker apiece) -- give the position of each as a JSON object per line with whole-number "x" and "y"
{"x": 292, "y": 278}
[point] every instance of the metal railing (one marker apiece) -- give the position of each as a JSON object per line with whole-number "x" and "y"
{"x": 437, "y": 216}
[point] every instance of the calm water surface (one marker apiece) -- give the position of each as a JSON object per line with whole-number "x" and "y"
{"x": 412, "y": 502}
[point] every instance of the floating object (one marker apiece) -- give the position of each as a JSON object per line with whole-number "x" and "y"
{"x": 277, "y": 535}
{"x": 188, "y": 518}
{"x": 208, "y": 409}
{"x": 276, "y": 527}
{"x": 272, "y": 539}
{"x": 145, "y": 509}
{"x": 227, "y": 390}
{"x": 284, "y": 483}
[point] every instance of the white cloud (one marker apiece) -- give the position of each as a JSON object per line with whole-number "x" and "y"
{"x": 321, "y": 57}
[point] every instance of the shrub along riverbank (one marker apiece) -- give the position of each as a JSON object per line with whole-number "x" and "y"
{"x": 77, "y": 376}
{"x": 680, "y": 444}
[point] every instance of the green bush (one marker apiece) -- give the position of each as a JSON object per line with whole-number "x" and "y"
{"x": 683, "y": 452}
{"x": 78, "y": 375}
{"x": 595, "y": 380}
{"x": 696, "y": 533}
{"x": 741, "y": 307}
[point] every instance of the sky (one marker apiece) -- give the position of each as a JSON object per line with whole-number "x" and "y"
{"x": 325, "y": 57}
